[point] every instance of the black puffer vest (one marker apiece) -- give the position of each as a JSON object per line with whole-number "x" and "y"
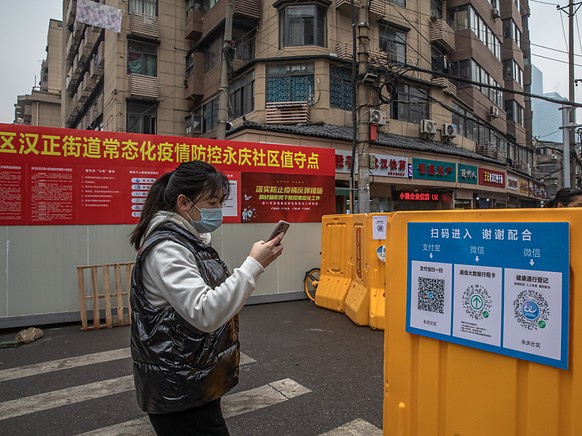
{"x": 175, "y": 365}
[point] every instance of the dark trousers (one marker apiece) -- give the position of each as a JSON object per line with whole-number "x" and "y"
{"x": 205, "y": 420}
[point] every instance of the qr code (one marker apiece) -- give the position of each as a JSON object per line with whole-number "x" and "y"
{"x": 431, "y": 295}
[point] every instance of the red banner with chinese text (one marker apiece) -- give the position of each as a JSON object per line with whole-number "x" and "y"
{"x": 302, "y": 198}
{"x": 67, "y": 176}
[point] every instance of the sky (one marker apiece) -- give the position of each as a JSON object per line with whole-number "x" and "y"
{"x": 24, "y": 27}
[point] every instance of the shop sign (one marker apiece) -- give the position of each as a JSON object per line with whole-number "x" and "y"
{"x": 491, "y": 178}
{"x": 418, "y": 196}
{"x": 468, "y": 174}
{"x": 524, "y": 187}
{"x": 384, "y": 164}
{"x": 427, "y": 169}
{"x": 512, "y": 183}
{"x": 538, "y": 191}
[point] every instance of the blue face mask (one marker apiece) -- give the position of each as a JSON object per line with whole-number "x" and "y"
{"x": 210, "y": 219}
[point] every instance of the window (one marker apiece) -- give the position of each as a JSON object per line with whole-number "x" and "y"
{"x": 189, "y": 64}
{"x": 514, "y": 112}
{"x": 212, "y": 53}
{"x": 511, "y": 31}
{"x": 292, "y": 82}
{"x": 210, "y": 115}
{"x": 436, "y": 9}
{"x": 471, "y": 70}
{"x": 341, "y": 91}
{"x": 302, "y": 25}
{"x": 200, "y": 5}
{"x": 475, "y": 130}
{"x": 193, "y": 123}
{"x": 465, "y": 17}
{"x": 244, "y": 44}
{"x": 141, "y": 117}
{"x": 142, "y": 58}
{"x": 242, "y": 93}
{"x": 393, "y": 42}
{"x": 512, "y": 71}
{"x": 410, "y": 104}
{"x": 145, "y": 7}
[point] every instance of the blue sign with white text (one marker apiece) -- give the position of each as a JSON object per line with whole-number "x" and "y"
{"x": 502, "y": 287}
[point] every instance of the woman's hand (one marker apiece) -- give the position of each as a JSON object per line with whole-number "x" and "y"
{"x": 266, "y": 252}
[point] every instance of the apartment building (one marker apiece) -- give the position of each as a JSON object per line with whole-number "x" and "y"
{"x": 42, "y": 107}
{"x": 445, "y": 86}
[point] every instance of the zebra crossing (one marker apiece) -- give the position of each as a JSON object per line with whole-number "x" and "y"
{"x": 233, "y": 405}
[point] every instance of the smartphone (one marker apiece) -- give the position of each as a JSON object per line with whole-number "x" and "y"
{"x": 282, "y": 226}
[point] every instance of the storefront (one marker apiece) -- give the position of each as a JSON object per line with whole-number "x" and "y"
{"x": 416, "y": 183}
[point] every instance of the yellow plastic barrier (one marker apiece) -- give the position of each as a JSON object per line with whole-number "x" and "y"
{"x": 377, "y": 281}
{"x": 357, "y": 303}
{"x": 365, "y": 302}
{"x": 435, "y": 387}
{"x": 336, "y": 262}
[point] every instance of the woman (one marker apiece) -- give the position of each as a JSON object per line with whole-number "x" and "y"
{"x": 566, "y": 197}
{"x": 184, "y": 332}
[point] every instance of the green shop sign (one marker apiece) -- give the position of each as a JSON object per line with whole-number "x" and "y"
{"x": 434, "y": 170}
{"x": 468, "y": 174}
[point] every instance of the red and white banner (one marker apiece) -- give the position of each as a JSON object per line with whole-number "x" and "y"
{"x": 66, "y": 176}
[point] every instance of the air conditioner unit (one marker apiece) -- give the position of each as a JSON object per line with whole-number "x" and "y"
{"x": 428, "y": 126}
{"x": 378, "y": 117}
{"x": 493, "y": 112}
{"x": 495, "y": 13}
{"x": 449, "y": 130}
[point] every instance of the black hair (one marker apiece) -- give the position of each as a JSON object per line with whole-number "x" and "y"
{"x": 564, "y": 197}
{"x": 197, "y": 180}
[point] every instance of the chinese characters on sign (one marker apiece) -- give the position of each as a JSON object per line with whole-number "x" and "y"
{"x": 383, "y": 165}
{"x": 498, "y": 286}
{"x": 65, "y": 176}
{"x": 491, "y": 178}
{"x": 434, "y": 170}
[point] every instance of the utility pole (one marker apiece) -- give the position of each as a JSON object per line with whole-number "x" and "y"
{"x": 225, "y": 72}
{"x": 363, "y": 111}
{"x": 571, "y": 180}
{"x": 355, "y": 113}
{"x": 566, "y": 129}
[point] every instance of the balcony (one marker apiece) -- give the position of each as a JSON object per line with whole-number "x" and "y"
{"x": 71, "y": 12}
{"x": 491, "y": 150}
{"x": 146, "y": 26}
{"x": 97, "y": 108}
{"x": 89, "y": 39}
{"x": 146, "y": 87}
{"x": 243, "y": 10}
{"x": 344, "y": 51}
{"x": 194, "y": 86}
{"x": 442, "y": 34}
{"x": 448, "y": 86}
{"x": 251, "y": 9}
{"x": 88, "y": 85}
{"x": 78, "y": 30}
{"x": 193, "y": 29}
{"x": 100, "y": 55}
{"x": 287, "y": 112}
{"x": 69, "y": 49}
{"x": 96, "y": 71}
{"x": 377, "y": 7}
